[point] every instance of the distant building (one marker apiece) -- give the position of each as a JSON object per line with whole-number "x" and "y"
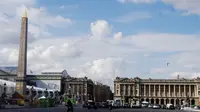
{"x": 102, "y": 92}
{"x": 157, "y": 91}
{"x": 80, "y": 88}
{"x": 51, "y": 81}
{"x": 47, "y": 80}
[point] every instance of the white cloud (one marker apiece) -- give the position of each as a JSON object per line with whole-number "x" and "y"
{"x": 9, "y": 6}
{"x": 137, "y": 1}
{"x": 100, "y": 28}
{"x": 43, "y": 18}
{"x": 103, "y": 70}
{"x": 39, "y": 21}
{"x": 97, "y": 59}
{"x": 134, "y": 16}
{"x": 189, "y": 6}
{"x": 185, "y": 75}
{"x": 166, "y": 42}
{"x": 118, "y": 36}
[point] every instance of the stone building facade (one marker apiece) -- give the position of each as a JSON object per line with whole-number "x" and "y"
{"x": 157, "y": 91}
{"x": 83, "y": 89}
{"x": 79, "y": 88}
{"x": 102, "y": 92}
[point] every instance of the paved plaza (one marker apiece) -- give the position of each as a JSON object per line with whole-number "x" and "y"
{"x": 63, "y": 109}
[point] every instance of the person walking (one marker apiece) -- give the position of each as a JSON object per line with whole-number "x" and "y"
{"x": 69, "y": 105}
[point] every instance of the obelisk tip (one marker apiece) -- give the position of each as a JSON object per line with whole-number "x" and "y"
{"x": 25, "y": 13}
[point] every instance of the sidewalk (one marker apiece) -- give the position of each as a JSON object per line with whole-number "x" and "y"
{"x": 13, "y": 107}
{"x": 23, "y": 107}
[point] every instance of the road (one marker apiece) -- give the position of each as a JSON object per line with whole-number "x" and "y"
{"x": 62, "y": 109}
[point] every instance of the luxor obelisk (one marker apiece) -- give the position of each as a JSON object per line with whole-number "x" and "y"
{"x": 22, "y": 59}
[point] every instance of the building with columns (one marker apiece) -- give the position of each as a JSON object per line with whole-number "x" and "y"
{"x": 102, "y": 92}
{"x": 80, "y": 88}
{"x": 157, "y": 91}
{"x": 83, "y": 89}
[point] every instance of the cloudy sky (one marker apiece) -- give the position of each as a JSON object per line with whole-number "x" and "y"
{"x": 103, "y": 39}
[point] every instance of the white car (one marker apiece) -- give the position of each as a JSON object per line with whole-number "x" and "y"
{"x": 150, "y": 106}
{"x": 156, "y": 106}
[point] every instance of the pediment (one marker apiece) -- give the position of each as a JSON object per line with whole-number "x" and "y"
{"x": 125, "y": 80}
{"x": 65, "y": 74}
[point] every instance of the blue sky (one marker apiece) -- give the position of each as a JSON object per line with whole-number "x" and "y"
{"x": 96, "y": 37}
{"x": 164, "y": 17}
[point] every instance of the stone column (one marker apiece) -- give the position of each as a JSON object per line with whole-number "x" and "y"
{"x": 164, "y": 91}
{"x": 164, "y": 101}
{"x": 184, "y": 91}
{"x": 174, "y": 91}
{"x": 169, "y": 91}
{"x": 82, "y": 89}
{"x": 77, "y": 88}
{"x": 77, "y": 91}
{"x": 129, "y": 90}
{"x": 124, "y": 90}
{"x": 73, "y": 89}
{"x": 149, "y": 90}
{"x": 190, "y": 90}
{"x": 154, "y": 90}
{"x": 133, "y": 91}
{"x": 174, "y": 101}
{"x": 179, "y": 90}
{"x": 159, "y": 92}
{"x": 82, "y": 93}
{"x": 159, "y": 99}
{"x": 144, "y": 90}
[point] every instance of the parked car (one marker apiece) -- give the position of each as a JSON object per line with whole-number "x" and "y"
{"x": 178, "y": 107}
{"x": 85, "y": 105}
{"x": 150, "y": 106}
{"x": 98, "y": 104}
{"x": 170, "y": 106}
{"x": 126, "y": 105}
{"x": 104, "y": 105}
{"x": 136, "y": 106}
{"x": 163, "y": 106}
{"x": 156, "y": 106}
{"x": 144, "y": 105}
{"x": 91, "y": 104}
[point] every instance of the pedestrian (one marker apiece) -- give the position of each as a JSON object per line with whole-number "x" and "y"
{"x": 69, "y": 105}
